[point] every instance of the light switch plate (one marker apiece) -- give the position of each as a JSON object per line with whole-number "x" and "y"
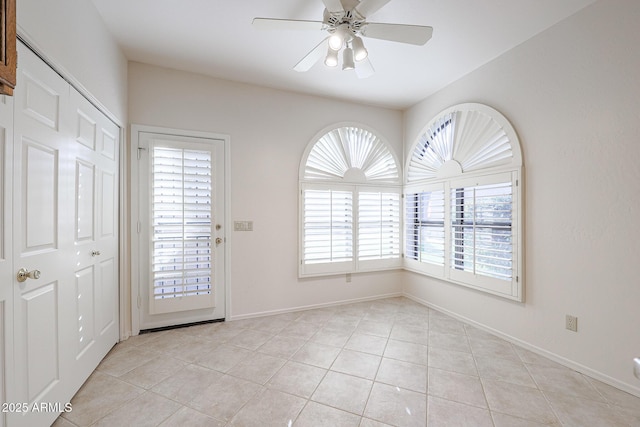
{"x": 243, "y": 226}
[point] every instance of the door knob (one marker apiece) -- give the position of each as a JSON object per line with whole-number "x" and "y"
{"x": 95, "y": 253}
{"x": 218, "y": 240}
{"x": 24, "y": 274}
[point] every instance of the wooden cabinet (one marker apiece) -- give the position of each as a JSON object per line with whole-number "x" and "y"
{"x": 7, "y": 46}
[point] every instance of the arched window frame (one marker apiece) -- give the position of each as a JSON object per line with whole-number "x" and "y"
{"x": 464, "y": 201}
{"x": 352, "y": 174}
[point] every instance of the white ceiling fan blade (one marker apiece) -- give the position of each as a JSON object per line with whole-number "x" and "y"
{"x": 333, "y": 6}
{"x": 286, "y": 24}
{"x": 412, "y": 34}
{"x": 364, "y": 69}
{"x": 312, "y": 57}
{"x": 369, "y": 7}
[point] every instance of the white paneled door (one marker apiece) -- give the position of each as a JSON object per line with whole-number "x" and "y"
{"x": 6, "y": 247}
{"x": 65, "y": 192}
{"x": 181, "y": 229}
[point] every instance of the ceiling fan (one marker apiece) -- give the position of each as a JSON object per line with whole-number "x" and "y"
{"x": 346, "y": 23}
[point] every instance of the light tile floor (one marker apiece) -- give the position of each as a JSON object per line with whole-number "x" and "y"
{"x": 387, "y": 362}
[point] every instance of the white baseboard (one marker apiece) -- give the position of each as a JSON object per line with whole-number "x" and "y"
{"x": 312, "y": 306}
{"x": 542, "y": 352}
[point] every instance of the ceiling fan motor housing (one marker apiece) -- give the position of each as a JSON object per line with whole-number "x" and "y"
{"x": 346, "y": 20}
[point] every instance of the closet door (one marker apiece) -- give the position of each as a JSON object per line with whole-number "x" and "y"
{"x": 6, "y": 247}
{"x": 65, "y": 238}
{"x": 95, "y": 235}
{"x": 43, "y": 240}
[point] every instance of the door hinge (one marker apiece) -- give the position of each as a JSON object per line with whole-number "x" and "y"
{"x": 139, "y": 302}
{"x": 517, "y": 182}
{"x": 139, "y": 227}
{"x": 517, "y": 279}
{"x": 140, "y": 149}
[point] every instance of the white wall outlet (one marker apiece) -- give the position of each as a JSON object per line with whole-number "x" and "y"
{"x": 348, "y": 277}
{"x": 572, "y": 323}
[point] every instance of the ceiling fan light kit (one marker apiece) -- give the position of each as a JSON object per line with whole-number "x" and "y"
{"x": 359, "y": 51}
{"x": 345, "y": 21}
{"x": 331, "y": 59}
{"x": 347, "y": 59}
{"x": 337, "y": 39}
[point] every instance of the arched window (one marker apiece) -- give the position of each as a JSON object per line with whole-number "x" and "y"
{"x": 350, "y": 210}
{"x": 463, "y": 201}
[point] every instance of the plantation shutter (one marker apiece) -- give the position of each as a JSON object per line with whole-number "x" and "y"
{"x": 181, "y": 220}
{"x": 474, "y": 237}
{"x": 481, "y": 229}
{"x": 378, "y": 225}
{"x": 350, "y": 218}
{"x": 424, "y": 227}
{"x": 328, "y": 230}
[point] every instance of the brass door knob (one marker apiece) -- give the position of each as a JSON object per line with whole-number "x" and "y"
{"x": 24, "y": 274}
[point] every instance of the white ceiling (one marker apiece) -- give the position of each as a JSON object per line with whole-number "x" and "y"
{"x": 216, "y": 38}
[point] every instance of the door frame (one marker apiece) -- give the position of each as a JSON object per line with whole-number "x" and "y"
{"x": 136, "y": 129}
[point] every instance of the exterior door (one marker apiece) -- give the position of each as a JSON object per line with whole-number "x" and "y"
{"x": 181, "y": 229}
{"x": 64, "y": 224}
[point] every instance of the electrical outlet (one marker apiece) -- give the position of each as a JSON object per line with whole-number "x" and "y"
{"x": 572, "y": 323}
{"x": 348, "y": 277}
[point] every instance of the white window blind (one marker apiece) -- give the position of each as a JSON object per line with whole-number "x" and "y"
{"x": 181, "y": 218}
{"x": 424, "y": 227}
{"x": 327, "y": 226}
{"x": 481, "y": 229}
{"x": 378, "y": 225}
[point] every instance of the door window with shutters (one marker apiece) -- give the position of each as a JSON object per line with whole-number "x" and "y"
{"x": 181, "y": 218}
{"x": 350, "y": 206}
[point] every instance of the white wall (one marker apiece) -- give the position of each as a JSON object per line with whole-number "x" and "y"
{"x": 573, "y": 95}
{"x": 269, "y": 131}
{"x": 72, "y": 35}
